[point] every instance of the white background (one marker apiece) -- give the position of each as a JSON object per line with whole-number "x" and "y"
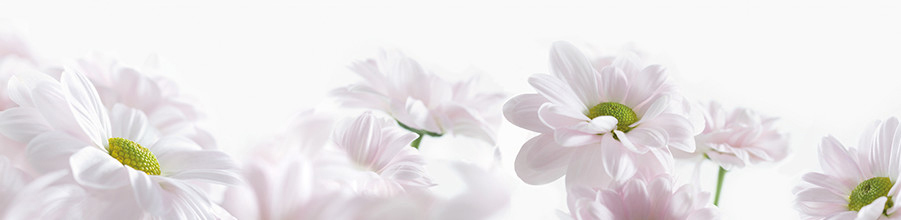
{"x": 823, "y": 67}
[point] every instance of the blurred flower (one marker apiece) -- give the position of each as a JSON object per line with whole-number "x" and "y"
{"x": 421, "y": 101}
{"x": 379, "y": 150}
{"x": 67, "y": 127}
{"x": 855, "y": 183}
{"x": 588, "y": 117}
{"x": 739, "y": 137}
{"x": 637, "y": 198}
{"x": 484, "y": 196}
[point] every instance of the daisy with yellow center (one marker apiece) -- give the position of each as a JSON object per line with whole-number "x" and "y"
{"x": 856, "y": 183}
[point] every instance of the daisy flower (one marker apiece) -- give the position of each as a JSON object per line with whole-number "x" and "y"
{"x": 734, "y": 138}
{"x": 114, "y": 154}
{"x": 857, "y": 183}
{"x": 583, "y": 110}
{"x": 421, "y": 101}
{"x": 637, "y": 198}
{"x": 378, "y": 149}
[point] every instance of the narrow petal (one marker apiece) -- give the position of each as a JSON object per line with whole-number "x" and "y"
{"x": 615, "y": 86}
{"x": 569, "y": 64}
{"x": 873, "y": 210}
{"x": 555, "y": 116}
{"x": 22, "y": 123}
{"x": 51, "y": 151}
{"x": 86, "y": 106}
{"x": 557, "y": 92}
{"x": 205, "y": 165}
{"x": 836, "y": 161}
{"x": 147, "y": 192}
{"x": 568, "y": 137}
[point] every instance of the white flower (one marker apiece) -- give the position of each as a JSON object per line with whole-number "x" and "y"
{"x": 117, "y": 157}
{"x": 637, "y": 198}
{"x": 381, "y": 152}
{"x": 739, "y": 137}
{"x": 857, "y": 183}
{"x": 421, "y": 100}
{"x": 588, "y": 117}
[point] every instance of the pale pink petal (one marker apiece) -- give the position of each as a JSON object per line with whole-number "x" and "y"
{"x": 615, "y": 85}
{"x": 465, "y": 121}
{"x": 648, "y": 137}
{"x": 129, "y": 123}
{"x": 557, "y": 92}
{"x": 555, "y": 116}
{"x": 568, "y": 137}
{"x": 704, "y": 214}
{"x": 569, "y": 64}
{"x": 522, "y": 111}
{"x": 541, "y": 160}
{"x": 836, "y": 161}
{"x": 627, "y": 143}
{"x": 96, "y": 169}
{"x": 835, "y": 185}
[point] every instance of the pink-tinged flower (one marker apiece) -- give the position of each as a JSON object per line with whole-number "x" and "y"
{"x": 50, "y": 196}
{"x": 484, "y": 196}
{"x": 857, "y": 183}
{"x": 582, "y": 111}
{"x": 147, "y": 90}
{"x": 739, "y": 137}
{"x": 115, "y": 154}
{"x": 637, "y": 198}
{"x": 422, "y": 101}
{"x": 294, "y": 176}
{"x": 380, "y": 151}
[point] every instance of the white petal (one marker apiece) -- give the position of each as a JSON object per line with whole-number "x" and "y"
{"x": 541, "y": 160}
{"x": 615, "y": 86}
{"x": 555, "y": 116}
{"x": 833, "y": 184}
{"x": 22, "y": 123}
{"x": 568, "y": 137}
{"x": 50, "y": 151}
{"x": 129, "y": 123}
{"x": 465, "y": 121}
{"x": 569, "y": 64}
{"x": 94, "y": 168}
{"x": 873, "y": 210}
{"x": 86, "y": 106}
{"x": 627, "y": 143}
{"x": 522, "y": 111}
{"x": 205, "y": 165}
{"x": 147, "y": 192}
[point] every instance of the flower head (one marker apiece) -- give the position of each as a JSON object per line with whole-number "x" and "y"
{"x": 859, "y": 183}
{"x": 115, "y": 153}
{"x": 656, "y": 198}
{"x": 739, "y": 137}
{"x": 589, "y": 116}
{"x": 422, "y": 101}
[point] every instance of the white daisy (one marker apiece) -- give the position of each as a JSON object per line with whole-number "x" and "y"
{"x": 118, "y": 157}
{"x": 581, "y": 112}
{"x": 857, "y": 183}
{"x": 421, "y": 101}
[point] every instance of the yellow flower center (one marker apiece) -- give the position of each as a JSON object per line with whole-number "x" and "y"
{"x": 870, "y": 190}
{"x": 623, "y": 114}
{"x": 134, "y": 155}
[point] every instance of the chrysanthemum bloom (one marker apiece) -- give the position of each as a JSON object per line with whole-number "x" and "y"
{"x": 117, "y": 157}
{"x": 739, "y": 137}
{"x": 857, "y": 183}
{"x": 294, "y": 176}
{"x": 147, "y": 90}
{"x": 637, "y": 198}
{"x": 581, "y": 110}
{"x": 421, "y": 101}
{"x": 380, "y": 151}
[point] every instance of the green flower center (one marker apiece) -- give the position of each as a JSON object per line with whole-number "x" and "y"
{"x": 870, "y": 190}
{"x": 623, "y": 114}
{"x": 134, "y": 155}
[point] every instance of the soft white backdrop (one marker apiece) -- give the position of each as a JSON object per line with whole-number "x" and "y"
{"x": 823, "y": 67}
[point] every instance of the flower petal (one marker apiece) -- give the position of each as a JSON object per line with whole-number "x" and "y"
{"x": 557, "y": 92}
{"x": 94, "y": 168}
{"x": 522, "y": 111}
{"x": 85, "y": 104}
{"x": 569, "y": 64}
{"x": 205, "y": 165}
{"x": 147, "y": 192}
{"x": 836, "y": 161}
{"x": 50, "y": 151}
{"x": 614, "y": 84}
{"x": 568, "y": 137}
{"x": 873, "y": 210}
{"x": 22, "y": 123}
{"x": 541, "y": 160}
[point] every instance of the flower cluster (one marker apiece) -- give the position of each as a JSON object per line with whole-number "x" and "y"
{"x": 93, "y": 138}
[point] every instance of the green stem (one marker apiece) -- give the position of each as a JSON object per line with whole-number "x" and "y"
{"x": 719, "y": 186}
{"x": 415, "y": 143}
